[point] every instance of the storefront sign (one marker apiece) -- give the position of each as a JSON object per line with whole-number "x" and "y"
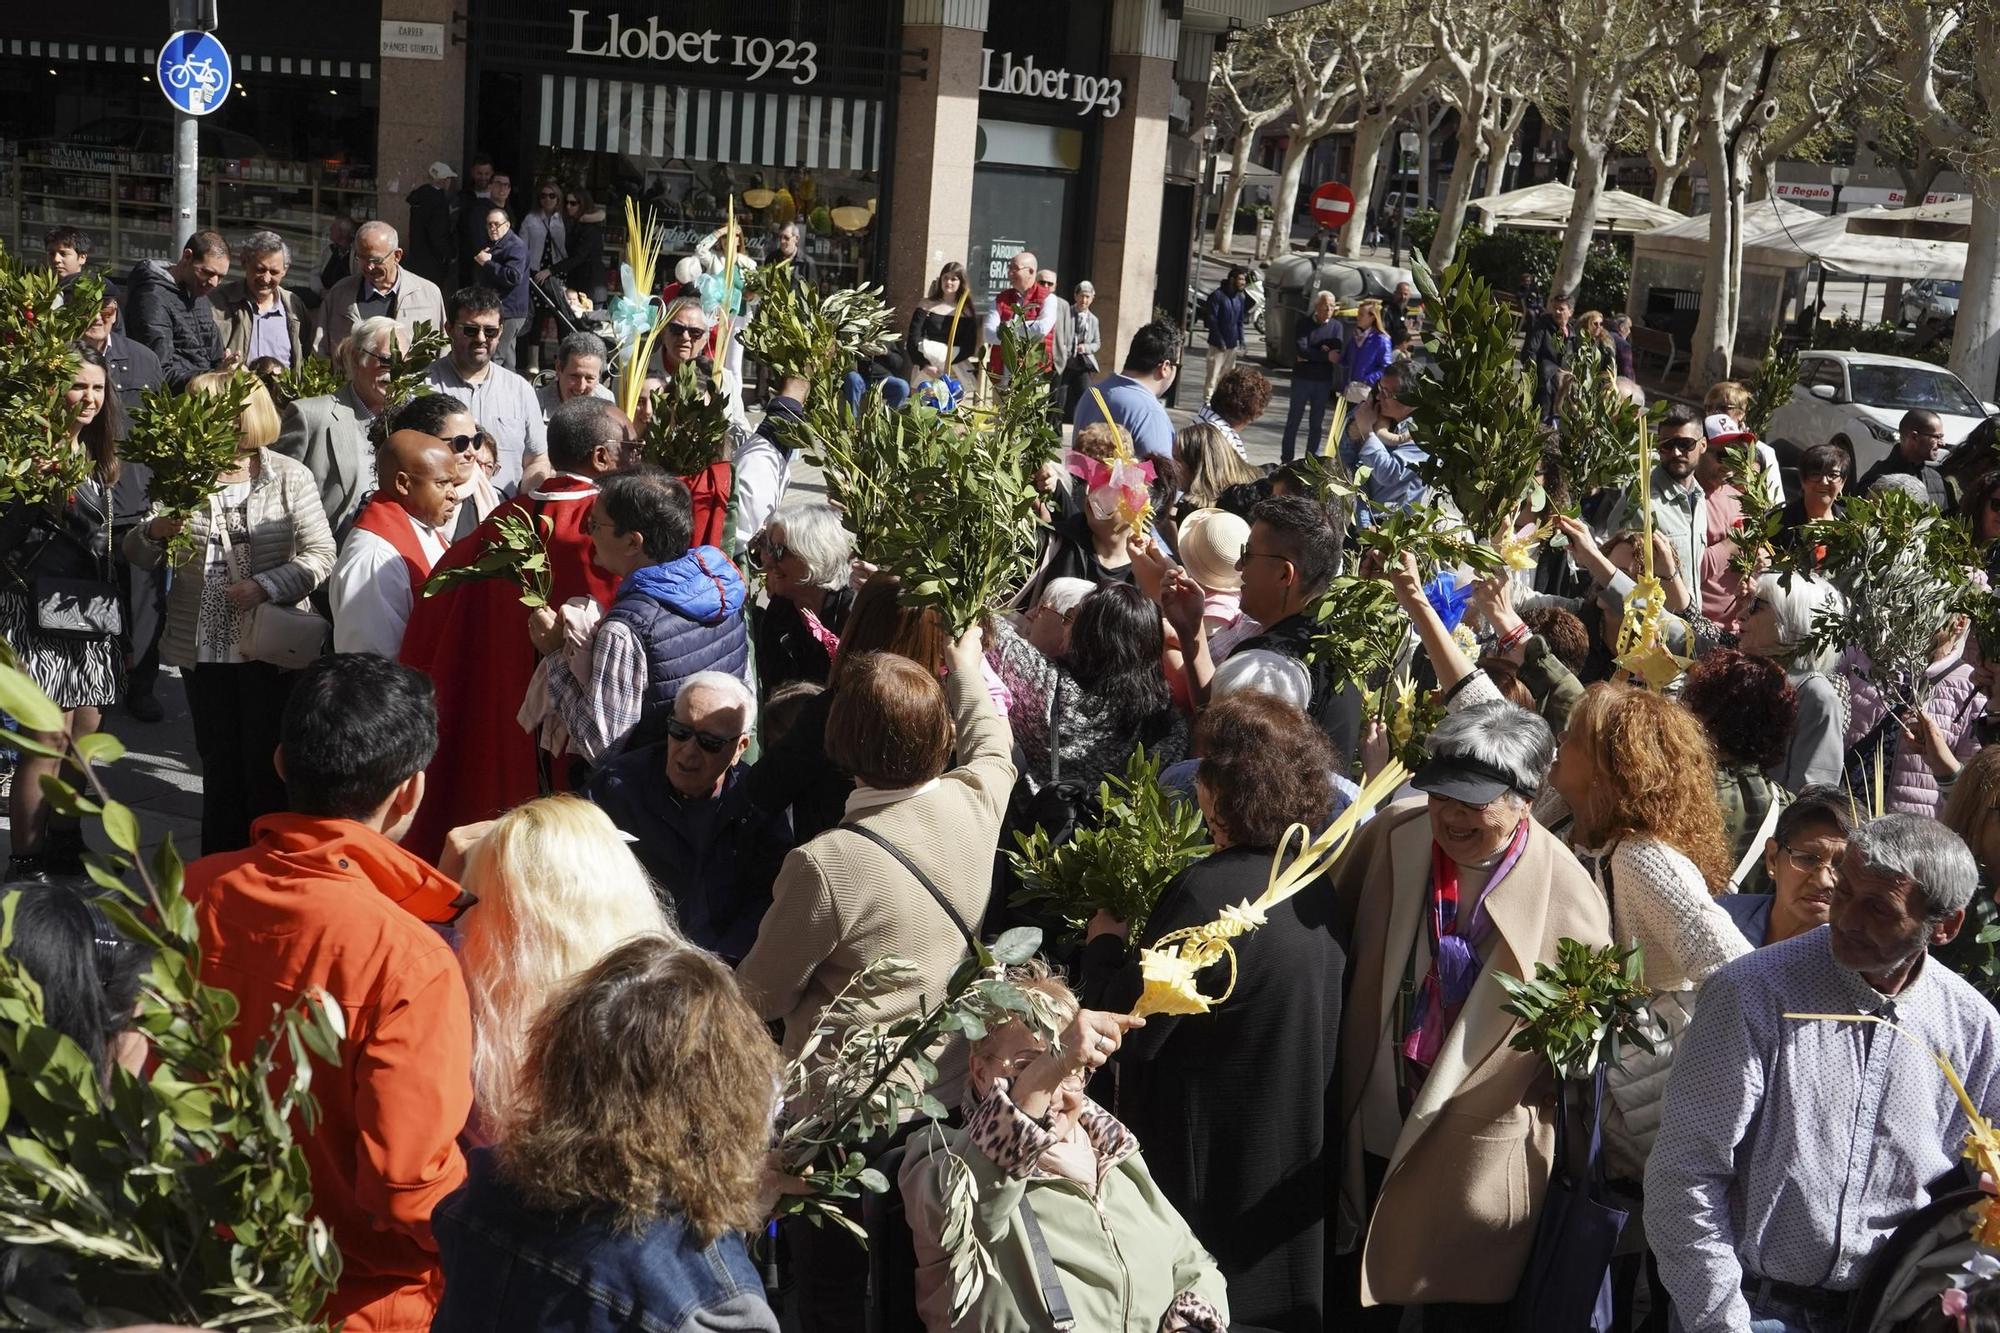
{"x": 1024, "y": 78}
{"x": 753, "y": 57}
{"x": 1857, "y": 195}
{"x": 412, "y": 41}
{"x": 998, "y": 255}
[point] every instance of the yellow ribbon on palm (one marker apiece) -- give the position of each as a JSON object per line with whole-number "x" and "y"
{"x": 1982, "y": 1141}
{"x": 1640, "y": 651}
{"x": 1170, "y": 966}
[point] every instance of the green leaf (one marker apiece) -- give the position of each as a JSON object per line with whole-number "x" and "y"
{"x": 23, "y": 700}
{"x": 1017, "y": 945}
{"x": 100, "y": 747}
{"x": 122, "y": 827}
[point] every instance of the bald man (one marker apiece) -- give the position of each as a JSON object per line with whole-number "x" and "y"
{"x": 397, "y": 538}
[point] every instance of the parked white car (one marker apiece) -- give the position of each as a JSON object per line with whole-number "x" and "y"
{"x": 1929, "y": 301}
{"x": 1856, "y": 400}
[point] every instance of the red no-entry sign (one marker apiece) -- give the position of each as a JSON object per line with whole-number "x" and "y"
{"x": 1332, "y": 204}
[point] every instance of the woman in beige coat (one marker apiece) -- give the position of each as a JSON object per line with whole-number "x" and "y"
{"x": 277, "y": 550}
{"x": 844, "y": 900}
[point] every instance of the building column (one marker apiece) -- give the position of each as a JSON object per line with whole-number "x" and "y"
{"x": 937, "y": 140}
{"x": 1125, "y": 250}
{"x": 421, "y": 110}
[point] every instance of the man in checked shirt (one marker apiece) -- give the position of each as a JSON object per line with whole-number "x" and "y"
{"x": 1789, "y": 1150}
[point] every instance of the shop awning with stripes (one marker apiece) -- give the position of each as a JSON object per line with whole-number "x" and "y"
{"x": 710, "y": 124}
{"x": 249, "y": 63}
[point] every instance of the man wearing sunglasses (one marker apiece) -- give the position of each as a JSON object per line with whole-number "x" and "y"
{"x": 502, "y": 402}
{"x": 1680, "y": 506}
{"x": 398, "y": 537}
{"x": 697, "y": 833}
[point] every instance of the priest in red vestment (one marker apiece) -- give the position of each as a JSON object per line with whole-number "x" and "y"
{"x": 472, "y": 639}
{"x": 397, "y": 536}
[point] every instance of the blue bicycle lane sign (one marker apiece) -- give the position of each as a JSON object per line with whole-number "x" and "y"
{"x": 194, "y": 71}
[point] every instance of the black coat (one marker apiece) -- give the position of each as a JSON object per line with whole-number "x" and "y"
{"x": 177, "y": 327}
{"x": 787, "y": 650}
{"x": 432, "y": 249}
{"x": 794, "y": 775}
{"x": 1237, "y": 1110}
{"x": 582, "y": 266}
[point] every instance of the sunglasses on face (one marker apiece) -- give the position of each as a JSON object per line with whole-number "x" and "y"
{"x": 1678, "y": 446}
{"x": 484, "y": 332}
{"x": 765, "y": 553}
{"x": 708, "y": 740}
{"x": 548, "y": 194}
{"x": 460, "y": 444}
{"x": 687, "y": 330}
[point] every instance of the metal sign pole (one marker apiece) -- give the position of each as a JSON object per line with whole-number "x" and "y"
{"x": 187, "y": 157}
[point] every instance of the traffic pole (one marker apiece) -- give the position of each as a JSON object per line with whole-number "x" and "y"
{"x": 187, "y": 160}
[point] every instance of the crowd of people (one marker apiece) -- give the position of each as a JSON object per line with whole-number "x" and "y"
{"x": 585, "y": 876}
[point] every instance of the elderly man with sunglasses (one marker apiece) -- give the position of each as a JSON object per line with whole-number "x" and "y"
{"x": 697, "y": 833}
{"x": 501, "y": 401}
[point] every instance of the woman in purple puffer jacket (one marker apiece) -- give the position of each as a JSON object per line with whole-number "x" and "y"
{"x": 1953, "y": 705}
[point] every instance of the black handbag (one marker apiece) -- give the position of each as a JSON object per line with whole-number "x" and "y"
{"x": 1567, "y": 1283}
{"x": 68, "y": 583}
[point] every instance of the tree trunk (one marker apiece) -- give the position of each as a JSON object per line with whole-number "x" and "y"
{"x": 1369, "y": 132}
{"x": 1590, "y": 154}
{"x": 1458, "y": 190}
{"x": 1232, "y": 194}
{"x": 1296, "y": 150}
{"x": 1714, "y": 346}
{"x": 1975, "y": 344}
{"x": 1664, "y": 180}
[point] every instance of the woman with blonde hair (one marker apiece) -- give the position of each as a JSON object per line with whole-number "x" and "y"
{"x": 620, "y": 1197}
{"x": 1368, "y": 352}
{"x": 1638, "y": 775}
{"x": 557, "y": 890}
{"x": 262, "y": 539}
{"x": 1209, "y": 465}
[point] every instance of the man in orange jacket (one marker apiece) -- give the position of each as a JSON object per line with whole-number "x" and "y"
{"x": 326, "y": 899}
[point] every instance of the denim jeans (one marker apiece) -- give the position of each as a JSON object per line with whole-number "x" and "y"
{"x": 1308, "y": 396}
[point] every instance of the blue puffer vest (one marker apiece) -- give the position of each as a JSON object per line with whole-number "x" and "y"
{"x": 688, "y": 615}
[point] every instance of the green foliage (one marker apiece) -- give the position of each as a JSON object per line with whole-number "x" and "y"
{"x": 182, "y": 1197}
{"x": 409, "y": 371}
{"x": 1021, "y": 413}
{"x": 38, "y": 363}
{"x": 1904, "y": 571}
{"x": 855, "y": 1079}
{"x": 690, "y": 424}
{"x": 803, "y": 335}
{"x": 1771, "y": 387}
{"x": 1421, "y": 229}
{"x": 1580, "y": 1012}
{"x": 1607, "y": 277}
{"x": 1359, "y": 630}
{"x": 518, "y": 552}
{"x": 1437, "y": 539}
{"x": 1481, "y": 430}
{"x": 945, "y": 500}
{"x": 1143, "y": 837}
{"x": 188, "y": 440}
{"x": 1506, "y": 256}
{"x": 1599, "y": 430}
{"x": 1848, "y": 334}
{"x": 312, "y": 377}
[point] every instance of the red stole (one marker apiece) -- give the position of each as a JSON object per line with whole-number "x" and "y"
{"x": 472, "y": 641}
{"x": 710, "y": 489}
{"x": 1028, "y": 306}
{"x": 392, "y": 523}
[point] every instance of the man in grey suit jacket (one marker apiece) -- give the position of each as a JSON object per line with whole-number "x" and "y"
{"x": 379, "y": 285}
{"x": 329, "y": 434}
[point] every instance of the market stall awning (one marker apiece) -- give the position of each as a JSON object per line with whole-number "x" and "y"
{"x": 1841, "y": 248}
{"x": 1780, "y": 234}
{"x": 1951, "y": 221}
{"x": 1548, "y": 206}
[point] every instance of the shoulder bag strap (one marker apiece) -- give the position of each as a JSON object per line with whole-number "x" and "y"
{"x": 1768, "y": 828}
{"x": 921, "y": 878}
{"x": 1055, "y": 730}
{"x": 1045, "y": 1270}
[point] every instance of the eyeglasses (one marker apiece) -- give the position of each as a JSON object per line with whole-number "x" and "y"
{"x": 1829, "y": 477}
{"x": 1258, "y": 555}
{"x": 378, "y": 358}
{"x": 688, "y": 330}
{"x": 460, "y": 444}
{"x": 569, "y": 203}
{"x": 765, "y": 553}
{"x": 708, "y": 740}
{"x": 1807, "y": 863}
{"x": 549, "y": 194}
{"x": 1679, "y": 445}
{"x": 483, "y": 332}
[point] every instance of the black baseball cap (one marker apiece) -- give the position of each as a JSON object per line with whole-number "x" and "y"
{"x": 1463, "y": 778}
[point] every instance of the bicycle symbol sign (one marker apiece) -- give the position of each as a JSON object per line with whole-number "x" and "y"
{"x": 194, "y": 71}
